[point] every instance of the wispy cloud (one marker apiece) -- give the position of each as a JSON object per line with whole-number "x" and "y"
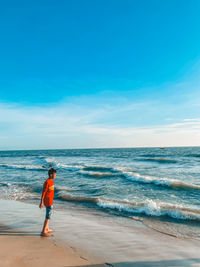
{"x": 71, "y": 126}
{"x": 167, "y": 117}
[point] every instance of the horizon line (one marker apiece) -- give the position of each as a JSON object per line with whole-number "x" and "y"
{"x": 45, "y": 149}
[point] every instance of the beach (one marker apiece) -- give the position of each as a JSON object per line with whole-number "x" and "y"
{"x": 83, "y": 240}
{"x": 100, "y": 133}
{"x": 21, "y": 249}
{"x": 112, "y": 207}
{"x": 21, "y": 243}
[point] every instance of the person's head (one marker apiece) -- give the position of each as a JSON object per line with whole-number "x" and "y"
{"x": 52, "y": 173}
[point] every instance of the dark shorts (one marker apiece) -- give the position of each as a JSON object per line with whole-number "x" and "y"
{"x": 49, "y": 212}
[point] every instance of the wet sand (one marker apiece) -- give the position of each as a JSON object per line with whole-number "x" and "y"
{"x": 22, "y": 249}
{"x": 82, "y": 239}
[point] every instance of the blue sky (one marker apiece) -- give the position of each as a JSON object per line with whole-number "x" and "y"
{"x": 99, "y": 73}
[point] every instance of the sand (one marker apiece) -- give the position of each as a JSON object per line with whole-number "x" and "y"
{"x": 84, "y": 239}
{"x": 22, "y": 249}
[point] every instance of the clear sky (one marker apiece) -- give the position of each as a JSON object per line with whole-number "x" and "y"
{"x": 99, "y": 73}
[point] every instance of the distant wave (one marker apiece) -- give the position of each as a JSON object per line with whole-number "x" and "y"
{"x": 96, "y": 174}
{"x": 82, "y": 199}
{"x": 160, "y": 160}
{"x": 136, "y": 177}
{"x": 23, "y": 166}
{"x": 162, "y": 155}
{"x": 151, "y": 155}
{"x": 88, "y": 169}
{"x": 63, "y": 188}
{"x": 148, "y": 207}
{"x": 45, "y": 164}
{"x": 69, "y": 167}
{"x": 193, "y": 155}
{"x": 47, "y": 161}
{"x": 97, "y": 168}
{"x": 98, "y": 171}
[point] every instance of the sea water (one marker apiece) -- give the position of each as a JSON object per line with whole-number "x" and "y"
{"x": 155, "y": 185}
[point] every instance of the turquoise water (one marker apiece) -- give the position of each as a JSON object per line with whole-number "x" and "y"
{"x": 147, "y": 182}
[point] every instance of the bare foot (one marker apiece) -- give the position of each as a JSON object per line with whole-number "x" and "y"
{"x": 50, "y": 230}
{"x": 45, "y": 234}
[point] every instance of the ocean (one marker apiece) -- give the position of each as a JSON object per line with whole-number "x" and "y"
{"x": 159, "y": 186}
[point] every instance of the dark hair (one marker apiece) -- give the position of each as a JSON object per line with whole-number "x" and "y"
{"x": 51, "y": 171}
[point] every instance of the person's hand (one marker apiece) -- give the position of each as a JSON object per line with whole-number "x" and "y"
{"x": 41, "y": 205}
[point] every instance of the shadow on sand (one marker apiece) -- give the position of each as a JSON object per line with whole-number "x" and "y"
{"x": 6, "y": 231}
{"x": 9, "y": 233}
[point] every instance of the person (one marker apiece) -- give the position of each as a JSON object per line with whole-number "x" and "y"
{"x": 47, "y": 199}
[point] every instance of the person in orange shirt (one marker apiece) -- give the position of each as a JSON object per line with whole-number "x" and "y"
{"x": 47, "y": 198}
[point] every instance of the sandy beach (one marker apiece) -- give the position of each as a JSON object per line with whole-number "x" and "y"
{"x": 29, "y": 250}
{"x": 82, "y": 240}
{"x": 21, "y": 249}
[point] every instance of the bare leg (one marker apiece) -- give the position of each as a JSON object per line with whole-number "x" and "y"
{"x": 45, "y": 227}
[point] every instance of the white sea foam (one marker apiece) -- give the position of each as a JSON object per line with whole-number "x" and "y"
{"x": 152, "y": 208}
{"x": 148, "y": 207}
{"x": 16, "y": 192}
{"x": 49, "y": 161}
{"x": 87, "y": 169}
{"x": 23, "y": 166}
{"x": 69, "y": 167}
{"x": 136, "y": 177}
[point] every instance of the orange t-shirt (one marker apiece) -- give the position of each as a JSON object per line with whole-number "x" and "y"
{"x": 48, "y": 192}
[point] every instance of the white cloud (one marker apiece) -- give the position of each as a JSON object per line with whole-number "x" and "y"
{"x": 61, "y": 127}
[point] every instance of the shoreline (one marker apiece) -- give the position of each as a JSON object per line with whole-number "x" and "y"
{"x": 81, "y": 239}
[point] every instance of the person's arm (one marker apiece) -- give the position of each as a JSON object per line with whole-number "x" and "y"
{"x": 45, "y": 187}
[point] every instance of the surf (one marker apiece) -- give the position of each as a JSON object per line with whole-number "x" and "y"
{"x": 23, "y": 166}
{"x": 148, "y": 207}
{"x": 165, "y": 182}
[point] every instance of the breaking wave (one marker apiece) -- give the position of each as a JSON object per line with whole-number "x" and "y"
{"x": 148, "y": 207}
{"x": 88, "y": 169}
{"x": 16, "y": 192}
{"x": 136, "y": 177}
{"x": 23, "y": 166}
{"x": 69, "y": 167}
{"x": 153, "y": 208}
